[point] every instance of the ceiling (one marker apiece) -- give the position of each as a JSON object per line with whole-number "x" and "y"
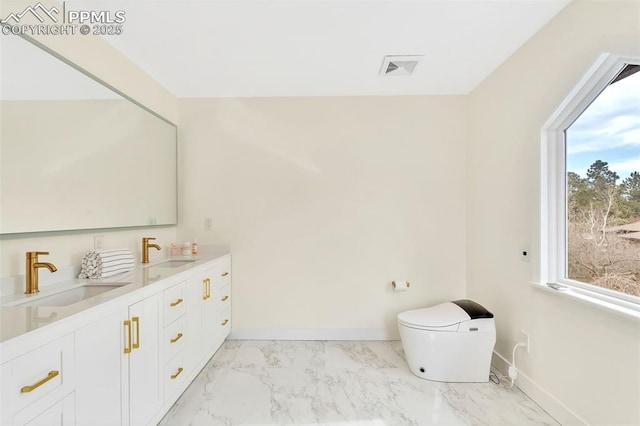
{"x": 260, "y": 48}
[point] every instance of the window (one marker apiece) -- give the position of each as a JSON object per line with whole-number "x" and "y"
{"x": 591, "y": 186}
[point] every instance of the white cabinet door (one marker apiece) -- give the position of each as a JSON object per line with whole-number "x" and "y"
{"x": 145, "y": 386}
{"x": 118, "y": 364}
{"x": 209, "y": 314}
{"x": 196, "y": 293}
{"x": 102, "y": 371}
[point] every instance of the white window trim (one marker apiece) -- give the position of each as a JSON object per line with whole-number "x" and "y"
{"x": 553, "y": 188}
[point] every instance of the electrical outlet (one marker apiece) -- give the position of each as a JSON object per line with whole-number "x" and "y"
{"x": 98, "y": 242}
{"x": 208, "y": 224}
{"x": 524, "y": 338}
{"x": 525, "y": 253}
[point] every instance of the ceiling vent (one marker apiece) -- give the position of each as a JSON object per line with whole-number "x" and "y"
{"x": 400, "y": 65}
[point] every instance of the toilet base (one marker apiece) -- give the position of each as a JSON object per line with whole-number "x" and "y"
{"x": 444, "y": 356}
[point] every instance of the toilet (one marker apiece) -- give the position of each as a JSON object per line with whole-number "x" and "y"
{"x": 450, "y": 342}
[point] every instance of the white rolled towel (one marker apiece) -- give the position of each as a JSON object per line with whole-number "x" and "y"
{"x": 106, "y": 263}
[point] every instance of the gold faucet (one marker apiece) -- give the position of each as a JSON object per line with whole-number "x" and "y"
{"x": 32, "y": 270}
{"x": 145, "y": 248}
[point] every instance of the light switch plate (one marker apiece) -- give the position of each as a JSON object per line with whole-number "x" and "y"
{"x": 98, "y": 242}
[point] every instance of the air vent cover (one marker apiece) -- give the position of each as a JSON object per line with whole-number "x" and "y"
{"x": 400, "y": 65}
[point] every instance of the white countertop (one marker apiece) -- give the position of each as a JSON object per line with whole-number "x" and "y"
{"x": 18, "y": 320}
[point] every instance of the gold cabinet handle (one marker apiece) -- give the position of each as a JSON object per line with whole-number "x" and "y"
{"x": 175, "y": 339}
{"x": 127, "y": 348}
{"x": 224, "y": 274}
{"x": 204, "y": 286}
{"x": 174, "y": 376}
{"x": 176, "y": 303}
{"x": 224, "y": 298}
{"x": 208, "y": 288}
{"x": 225, "y": 322}
{"x": 51, "y": 375}
{"x": 136, "y": 344}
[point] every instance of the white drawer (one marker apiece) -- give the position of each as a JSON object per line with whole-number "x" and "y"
{"x": 224, "y": 320}
{"x": 175, "y": 374}
{"x": 43, "y": 413}
{"x": 223, "y": 298}
{"x": 174, "y": 338}
{"x": 225, "y": 273}
{"x": 46, "y": 370}
{"x": 174, "y": 302}
{"x": 220, "y": 274}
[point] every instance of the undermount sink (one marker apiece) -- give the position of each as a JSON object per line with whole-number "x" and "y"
{"x": 69, "y": 297}
{"x": 173, "y": 263}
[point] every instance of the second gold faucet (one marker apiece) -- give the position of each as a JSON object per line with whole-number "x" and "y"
{"x": 145, "y": 248}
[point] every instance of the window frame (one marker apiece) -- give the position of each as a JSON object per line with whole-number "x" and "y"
{"x": 553, "y": 201}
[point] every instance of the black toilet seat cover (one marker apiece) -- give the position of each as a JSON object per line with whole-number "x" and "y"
{"x": 473, "y": 309}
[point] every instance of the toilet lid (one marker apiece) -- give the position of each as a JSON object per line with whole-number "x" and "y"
{"x": 443, "y": 315}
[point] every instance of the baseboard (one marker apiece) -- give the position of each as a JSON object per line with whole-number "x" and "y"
{"x": 539, "y": 395}
{"x": 310, "y": 334}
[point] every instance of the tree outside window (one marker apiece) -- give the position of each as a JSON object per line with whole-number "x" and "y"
{"x": 603, "y": 188}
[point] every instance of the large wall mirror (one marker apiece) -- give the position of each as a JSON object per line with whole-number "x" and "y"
{"x": 74, "y": 153}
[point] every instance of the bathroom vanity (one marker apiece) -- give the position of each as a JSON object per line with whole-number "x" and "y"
{"x": 123, "y": 356}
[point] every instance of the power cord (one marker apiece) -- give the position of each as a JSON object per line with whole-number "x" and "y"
{"x": 513, "y": 371}
{"x": 494, "y": 378}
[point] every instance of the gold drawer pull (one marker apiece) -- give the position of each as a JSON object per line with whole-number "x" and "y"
{"x": 225, "y": 298}
{"x": 225, "y": 322}
{"x": 175, "y": 376}
{"x": 51, "y": 375}
{"x": 176, "y": 303}
{"x": 204, "y": 287}
{"x": 207, "y": 288}
{"x": 127, "y": 348}
{"x": 136, "y": 344}
{"x": 178, "y": 337}
{"x": 224, "y": 274}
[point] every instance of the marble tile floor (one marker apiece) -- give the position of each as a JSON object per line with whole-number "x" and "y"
{"x": 338, "y": 383}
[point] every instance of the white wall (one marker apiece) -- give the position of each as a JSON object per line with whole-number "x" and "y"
{"x": 98, "y": 57}
{"x": 325, "y": 201}
{"x": 586, "y": 358}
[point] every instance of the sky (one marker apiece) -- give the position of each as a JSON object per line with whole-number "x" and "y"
{"x": 608, "y": 130}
